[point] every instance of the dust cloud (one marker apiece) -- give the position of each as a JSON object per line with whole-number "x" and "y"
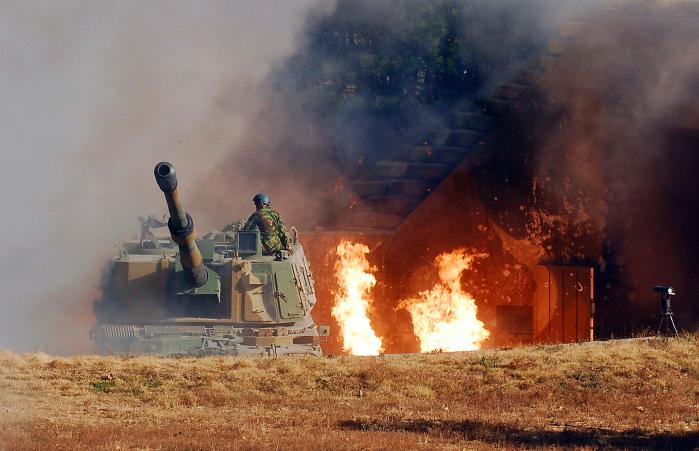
{"x": 94, "y": 94}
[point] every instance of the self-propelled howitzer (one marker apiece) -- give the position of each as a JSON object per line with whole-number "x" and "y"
{"x": 180, "y": 295}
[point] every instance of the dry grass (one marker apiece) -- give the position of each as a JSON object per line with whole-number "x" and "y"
{"x": 634, "y": 393}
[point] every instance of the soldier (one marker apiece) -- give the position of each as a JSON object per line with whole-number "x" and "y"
{"x": 274, "y": 235}
{"x": 147, "y": 224}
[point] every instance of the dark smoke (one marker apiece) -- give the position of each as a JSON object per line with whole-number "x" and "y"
{"x": 609, "y": 144}
{"x": 629, "y": 151}
{"x": 369, "y": 77}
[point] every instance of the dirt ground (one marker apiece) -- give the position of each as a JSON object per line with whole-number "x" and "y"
{"x": 629, "y": 393}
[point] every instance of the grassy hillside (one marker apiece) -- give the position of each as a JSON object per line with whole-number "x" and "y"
{"x": 633, "y": 393}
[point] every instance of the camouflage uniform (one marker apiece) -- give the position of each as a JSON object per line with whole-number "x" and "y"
{"x": 272, "y": 230}
{"x": 147, "y": 224}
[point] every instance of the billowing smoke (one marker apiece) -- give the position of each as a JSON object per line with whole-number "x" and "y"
{"x": 368, "y": 78}
{"x": 622, "y": 164}
{"x": 94, "y": 94}
{"x": 295, "y": 99}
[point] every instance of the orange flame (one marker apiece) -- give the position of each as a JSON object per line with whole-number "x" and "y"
{"x": 352, "y": 301}
{"x": 444, "y": 318}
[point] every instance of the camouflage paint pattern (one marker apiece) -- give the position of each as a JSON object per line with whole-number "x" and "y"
{"x": 273, "y": 232}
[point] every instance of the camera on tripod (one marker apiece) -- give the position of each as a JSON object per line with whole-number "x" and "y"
{"x": 666, "y": 292}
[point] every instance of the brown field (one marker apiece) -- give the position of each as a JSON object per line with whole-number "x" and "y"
{"x": 630, "y": 393}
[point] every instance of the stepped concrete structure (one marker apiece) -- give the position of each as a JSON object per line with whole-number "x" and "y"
{"x": 390, "y": 191}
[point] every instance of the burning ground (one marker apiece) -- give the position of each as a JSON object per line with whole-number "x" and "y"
{"x": 632, "y": 393}
{"x": 444, "y": 317}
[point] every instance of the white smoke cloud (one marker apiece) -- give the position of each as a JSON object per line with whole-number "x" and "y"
{"x": 93, "y": 95}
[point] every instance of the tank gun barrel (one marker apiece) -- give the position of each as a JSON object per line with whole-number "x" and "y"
{"x": 181, "y": 225}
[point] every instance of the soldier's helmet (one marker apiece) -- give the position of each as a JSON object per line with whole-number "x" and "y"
{"x": 261, "y": 199}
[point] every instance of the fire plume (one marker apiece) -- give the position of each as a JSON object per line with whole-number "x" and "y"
{"x": 352, "y": 300}
{"x": 444, "y": 317}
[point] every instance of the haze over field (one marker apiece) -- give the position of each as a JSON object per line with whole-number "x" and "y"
{"x": 94, "y": 94}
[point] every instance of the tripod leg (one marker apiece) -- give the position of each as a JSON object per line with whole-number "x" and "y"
{"x": 660, "y": 326}
{"x": 672, "y": 321}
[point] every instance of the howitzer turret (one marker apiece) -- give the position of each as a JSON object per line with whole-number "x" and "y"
{"x": 181, "y": 226}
